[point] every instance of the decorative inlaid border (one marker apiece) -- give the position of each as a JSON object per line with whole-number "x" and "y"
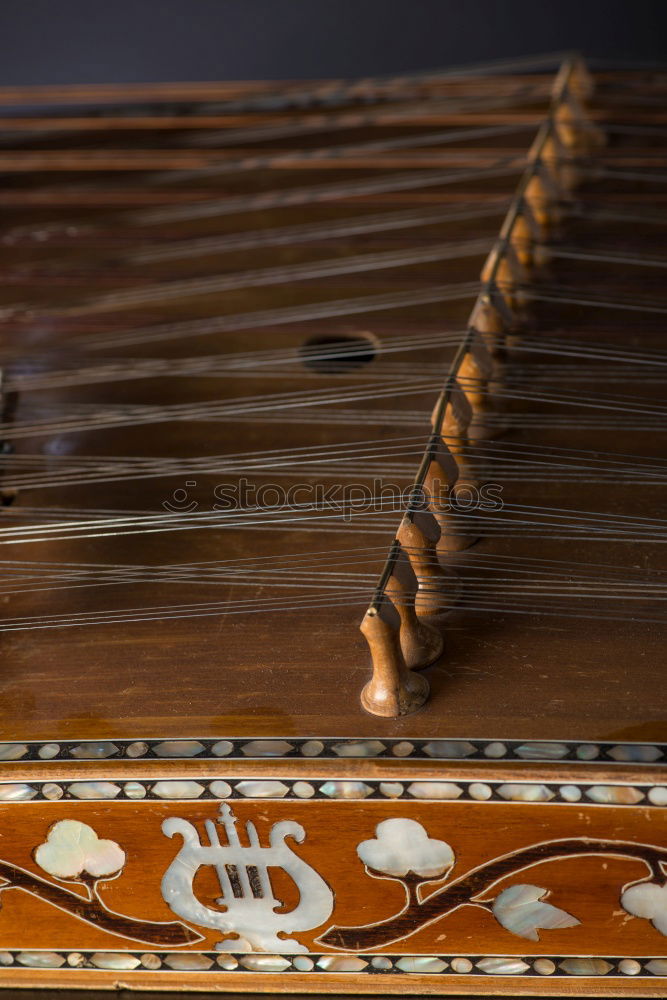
{"x": 537, "y": 751}
{"x": 525, "y": 967}
{"x": 335, "y": 789}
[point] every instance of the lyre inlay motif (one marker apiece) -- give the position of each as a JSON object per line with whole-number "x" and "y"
{"x": 247, "y": 894}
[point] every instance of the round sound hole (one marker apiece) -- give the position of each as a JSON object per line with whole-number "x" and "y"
{"x": 338, "y": 353}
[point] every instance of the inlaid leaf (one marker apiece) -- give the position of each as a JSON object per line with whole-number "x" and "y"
{"x": 519, "y": 909}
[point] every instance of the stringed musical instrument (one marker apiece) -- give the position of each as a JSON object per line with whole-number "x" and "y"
{"x": 332, "y": 507}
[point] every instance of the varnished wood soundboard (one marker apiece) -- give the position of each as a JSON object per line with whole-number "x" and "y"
{"x": 495, "y": 841}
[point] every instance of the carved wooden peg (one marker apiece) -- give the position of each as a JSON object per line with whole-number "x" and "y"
{"x": 568, "y": 126}
{"x": 581, "y": 82}
{"x": 522, "y": 242}
{"x": 513, "y": 277}
{"x": 455, "y": 533}
{"x": 457, "y": 412}
{"x": 490, "y": 264}
{"x": 453, "y": 428}
{"x": 540, "y": 196}
{"x": 443, "y": 472}
{"x": 437, "y": 589}
{"x": 526, "y": 213}
{"x": 421, "y": 644}
{"x": 504, "y": 269}
{"x": 393, "y": 690}
{"x": 489, "y": 322}
{"x": 499, "y": 301}
{"x": 552, "y": 157}
{"x": 441, "y": 498}
{"x": 561, "y": 164}
{"x": 575, "y": 130}
{"x": 532, "y": 235}
{"x": 475, "y": 373}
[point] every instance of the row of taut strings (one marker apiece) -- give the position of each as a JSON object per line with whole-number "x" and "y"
{"x": 265, "y": 407}
{"x": 466, "y": 407}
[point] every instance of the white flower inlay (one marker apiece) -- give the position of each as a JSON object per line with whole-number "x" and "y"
{"x": 647, "y": 900}
{"x": 72, "y": 848}
{"x": 402, "y": 846}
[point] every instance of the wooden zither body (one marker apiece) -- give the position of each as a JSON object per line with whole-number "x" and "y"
{"x": 331, "y": 538}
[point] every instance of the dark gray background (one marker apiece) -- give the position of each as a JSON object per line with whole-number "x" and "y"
{"x": 97, "y": 41}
